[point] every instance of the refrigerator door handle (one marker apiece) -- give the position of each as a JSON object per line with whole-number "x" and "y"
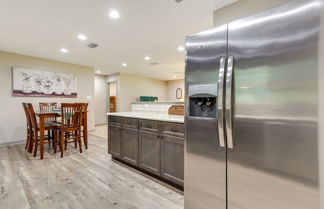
{"x": 220, "y": 102}
{"x": 228, "y": 103}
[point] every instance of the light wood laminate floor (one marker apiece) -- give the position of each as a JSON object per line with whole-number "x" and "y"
{"x": 100, "y": 131}
{"x": 78, "y": 181}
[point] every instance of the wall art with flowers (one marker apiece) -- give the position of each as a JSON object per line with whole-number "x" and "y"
{"x": 34, "y": 83}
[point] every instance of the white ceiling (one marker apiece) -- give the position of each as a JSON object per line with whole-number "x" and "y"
{"x": 146, "y": 27}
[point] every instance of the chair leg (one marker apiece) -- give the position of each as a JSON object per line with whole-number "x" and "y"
{"x": 79, "y": 140}
{"x": 36, "y": 142}
{"x": 55, "y": 140}
{"x": 49, "y": 138}
{"x": 31, "y": 142}
{"x": 27, "y": 139}
{"x": 62, "y": 143}
{"x": 75, "y": 141}
{"x": 85, "y": 139}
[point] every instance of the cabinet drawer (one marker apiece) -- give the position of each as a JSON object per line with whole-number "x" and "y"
{"x": 149, "y": 125}
{"x": 115, "y": 120}
{"x": 176, "y": 129}
{"x": 130, "y": 122}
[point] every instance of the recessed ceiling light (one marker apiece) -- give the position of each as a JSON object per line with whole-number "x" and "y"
{"x": 124, "y": 64}
{"x": 181, "y": 48}
{"x": 114, "y": 14}
{"x": 147, "y": 58}
{"x": 82, "y": 37}
{"x": 98, "y": 72}
{"x": 64, "y": 50}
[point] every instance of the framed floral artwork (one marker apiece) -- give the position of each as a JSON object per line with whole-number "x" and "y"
{"x": 33, "y": 83}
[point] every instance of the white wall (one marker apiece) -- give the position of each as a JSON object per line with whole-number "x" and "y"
{"x": 242, "y": 8}
{"x": 131, "y": 87}
{"x": 12, "y": 117}
{"x": 101, "y": 99}
{"x": 172, "y": 86}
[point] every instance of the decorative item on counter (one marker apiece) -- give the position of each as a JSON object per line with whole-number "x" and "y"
{"x": 179, "y": 93}
{"x": 148, "y": 99}
{"x": 176, "y": 110}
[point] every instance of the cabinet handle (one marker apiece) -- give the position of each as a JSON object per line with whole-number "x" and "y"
{"x": 174, "y": 130}
{"x": 148, "y": 126}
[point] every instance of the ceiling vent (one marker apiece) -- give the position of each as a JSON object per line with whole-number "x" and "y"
{"x": 153, "y": 63}
{"x": 93, "y": 45}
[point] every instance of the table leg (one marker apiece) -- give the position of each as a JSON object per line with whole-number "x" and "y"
{"x": 85, "y": 130}
{"x": 41, "y": 133}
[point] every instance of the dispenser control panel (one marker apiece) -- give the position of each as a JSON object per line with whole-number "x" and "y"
{"x": 203, "y": 101}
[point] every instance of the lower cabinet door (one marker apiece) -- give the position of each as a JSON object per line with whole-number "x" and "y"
{"x": 150, "y": 151}
{"x": 172, "y": 159}
{"x": 114, "y": 141}
{"x": 129, "y": 149}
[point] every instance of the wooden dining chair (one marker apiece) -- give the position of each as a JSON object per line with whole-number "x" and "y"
{"x": 29, "y": 144}
{"x": 47, "y": 107}
{"x": 84, "y": 124}
{"x": 69, "y": 130}
{"x": 35, "y": 128}
{"x": 44, "y": 107}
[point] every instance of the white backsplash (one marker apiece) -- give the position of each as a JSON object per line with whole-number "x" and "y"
{"x": 156, "y": 108}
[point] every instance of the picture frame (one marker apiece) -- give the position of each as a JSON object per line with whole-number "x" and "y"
{"x": 179, "y": 93}
{"x": 35, "y": 83}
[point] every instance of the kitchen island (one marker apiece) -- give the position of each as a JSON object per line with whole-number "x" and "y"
{"x": 150, "y": 142}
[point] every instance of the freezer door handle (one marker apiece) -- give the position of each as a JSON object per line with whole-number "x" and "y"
{"x": 229, "y": 102}
{"x": 220, "y": 102}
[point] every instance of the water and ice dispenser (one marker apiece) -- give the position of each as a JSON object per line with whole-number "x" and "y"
{"x": 203, "y": 101}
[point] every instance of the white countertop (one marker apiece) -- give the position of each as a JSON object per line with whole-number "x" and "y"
{"x": 151, "y": 116}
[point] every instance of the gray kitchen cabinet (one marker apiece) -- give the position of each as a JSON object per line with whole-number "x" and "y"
{"x": 114, "y": 142}
{"x": 172, "y": 158}
{"x": 129, "y": 145}
{"x": 149, "y": 151}
{"x": 152, "y": 146}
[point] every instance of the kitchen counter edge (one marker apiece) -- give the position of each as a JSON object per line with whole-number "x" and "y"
{"x": 157, "y": 117}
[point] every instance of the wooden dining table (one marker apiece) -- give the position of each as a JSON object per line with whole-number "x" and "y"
{"x": 43, "y": 115}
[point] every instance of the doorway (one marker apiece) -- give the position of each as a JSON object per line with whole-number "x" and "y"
{"x": 112, "y": 100}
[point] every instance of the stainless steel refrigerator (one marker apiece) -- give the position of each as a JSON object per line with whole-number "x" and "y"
{"x": 252, "y": 111}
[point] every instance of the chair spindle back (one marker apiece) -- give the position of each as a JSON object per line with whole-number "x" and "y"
{"x": 48, "y": 107}
{"x": 71, "y": 114}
